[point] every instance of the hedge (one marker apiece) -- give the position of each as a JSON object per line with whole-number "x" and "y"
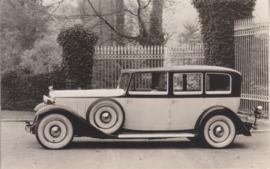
{"x": 25, "y": 92}
{"x": 78, "y": 45}
{"x": 22, "y": 92}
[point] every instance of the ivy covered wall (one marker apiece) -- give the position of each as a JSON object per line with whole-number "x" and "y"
{"x": 217, "y": 22}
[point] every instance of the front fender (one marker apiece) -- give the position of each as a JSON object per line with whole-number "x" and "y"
{"x": 39, "y": 106}
{"x": 81, "y": 126}
{"x": 55, "y": 108}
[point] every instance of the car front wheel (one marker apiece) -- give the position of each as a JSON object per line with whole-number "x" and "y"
{"x": 54, "y": 131}
{"x": 219, "y": 131}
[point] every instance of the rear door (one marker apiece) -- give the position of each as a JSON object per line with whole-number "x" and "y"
{"x": 187, "y": 101}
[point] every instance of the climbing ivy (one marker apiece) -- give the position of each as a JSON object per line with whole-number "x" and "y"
{"x": 217, "y": 23}
{"x": 78, "y": 45}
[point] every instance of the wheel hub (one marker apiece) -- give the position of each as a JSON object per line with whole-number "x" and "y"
{"x": 106, "y": 117}
{"x": 219, "y": 131}
{"x": 55, "y": 131}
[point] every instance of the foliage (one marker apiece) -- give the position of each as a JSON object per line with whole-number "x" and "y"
{"x": 10, "y": 51}
{"x": 142, "y": 21}
{"x": 26, "y": 17}
{"x": 44, "y": 57}
{"x": 25, "y": 92}
{"x": 217, "y": 21}
{"x": 156, "y": 31}
{"x": 191, "y": 34}
{"x": 78, "y": 49}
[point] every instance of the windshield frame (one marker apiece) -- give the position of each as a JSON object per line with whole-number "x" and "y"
{"x": 119, "y": 80}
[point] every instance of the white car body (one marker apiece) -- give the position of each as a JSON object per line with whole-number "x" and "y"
{"x": 152, "y": 103}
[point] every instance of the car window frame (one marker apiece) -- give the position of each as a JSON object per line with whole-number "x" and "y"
{"x": 148, "y": 92}
{"x": 218, "y": 92}
{"x": 188, "y": 92}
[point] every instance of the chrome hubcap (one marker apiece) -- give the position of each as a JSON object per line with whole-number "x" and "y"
{"x": 219, "y": 131}
{"x": 55, "y": 131}
{"x": 106, "y": 117}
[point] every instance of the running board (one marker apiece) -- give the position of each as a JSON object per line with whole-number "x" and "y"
{"x": 156, "y": 135}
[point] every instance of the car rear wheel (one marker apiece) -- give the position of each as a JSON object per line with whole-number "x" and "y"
{"x": 54, "y": 131}
{"x": 219, "y": 131}
{"x": 107, "y": 116}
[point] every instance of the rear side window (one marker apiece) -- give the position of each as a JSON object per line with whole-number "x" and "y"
{"x": 187, "y": 83}
{"x": 216, "y": 83}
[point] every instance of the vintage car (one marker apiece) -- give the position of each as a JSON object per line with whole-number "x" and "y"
{"x": 197, "y": 102}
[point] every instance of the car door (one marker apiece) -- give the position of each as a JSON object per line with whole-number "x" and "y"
{"x": 147, "y": 102}
{"x": 186, "y": 101}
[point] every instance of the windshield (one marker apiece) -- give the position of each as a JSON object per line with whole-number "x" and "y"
{"x": 123, "y": 81}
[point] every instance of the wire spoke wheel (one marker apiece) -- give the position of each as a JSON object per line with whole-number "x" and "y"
{"x": 54, "y": 131}
{"x": 219, "y": 131}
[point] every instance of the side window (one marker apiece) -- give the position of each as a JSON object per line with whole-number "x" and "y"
{"x": 149, "y": 83}
{"x": 187, "y": 83}
{"x": 216, "y": 83}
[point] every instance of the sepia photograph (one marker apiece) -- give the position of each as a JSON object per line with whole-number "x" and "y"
{"x": 134, "y": 84}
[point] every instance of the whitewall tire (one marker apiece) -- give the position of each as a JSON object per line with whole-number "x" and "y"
{"x": 107, "y": 116}
{"x": 54, "y": 131}
{"x": 219, "y": 131}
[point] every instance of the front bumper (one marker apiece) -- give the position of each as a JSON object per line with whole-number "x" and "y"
{"x": 30, "y": 128}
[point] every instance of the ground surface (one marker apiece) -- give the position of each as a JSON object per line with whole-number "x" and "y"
{"x": 17, "y": 115}
{"x": 20, "y": 150}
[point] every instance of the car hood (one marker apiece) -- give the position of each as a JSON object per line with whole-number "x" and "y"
{"x": 87, "y": 93}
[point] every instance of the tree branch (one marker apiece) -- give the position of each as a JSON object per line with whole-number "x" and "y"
{"x": 124, "y": 10}
{"x": 141, "y": 23}
{"x": 146, "y": 5}
{"x": 55, "y": 9}
{"x": 108, "y": 24}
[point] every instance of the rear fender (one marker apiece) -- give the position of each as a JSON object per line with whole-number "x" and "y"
{"x": 240, "y": 127}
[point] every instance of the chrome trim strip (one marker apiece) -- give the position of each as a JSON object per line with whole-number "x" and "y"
{"x": 156, "y": 135}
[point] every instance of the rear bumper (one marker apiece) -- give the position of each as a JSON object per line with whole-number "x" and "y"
{"x": 247, "y": 118}
{"x": 248, "y": 122}
{"x": 29, "y": 128}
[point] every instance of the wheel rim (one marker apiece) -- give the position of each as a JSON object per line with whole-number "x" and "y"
{"x": 105, "y": 117}
{"x": 55, "y": 131}
{"x": 219, "y": 131}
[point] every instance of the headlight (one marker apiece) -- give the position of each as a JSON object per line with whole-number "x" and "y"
{"x": 48, "y": 100}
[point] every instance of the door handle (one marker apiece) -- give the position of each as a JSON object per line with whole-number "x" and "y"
{"x": 129, "y": 101}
